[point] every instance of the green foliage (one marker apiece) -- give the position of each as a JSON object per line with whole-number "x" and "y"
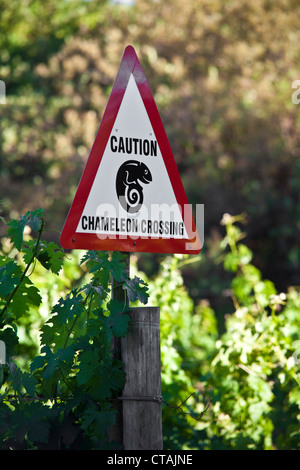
{"x": 255, "y": 404}
{"x": 254, "y": 377}
{"x": 62, "y": 396}
{"x": 188, "y": 336}
{"x": 58, "y": 319}
{"x": 250, "y": 375}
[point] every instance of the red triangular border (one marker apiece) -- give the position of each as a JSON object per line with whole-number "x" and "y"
{"x": 69, "y": 239}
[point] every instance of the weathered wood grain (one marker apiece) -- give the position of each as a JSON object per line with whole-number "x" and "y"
{"x": 142, "y": 418}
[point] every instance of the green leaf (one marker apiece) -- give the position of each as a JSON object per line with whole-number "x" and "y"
{"x": 34, "y": 218}
{"x": 98, "y": 421}
{"x": 40, "y": 361}
{"x": 242, "y": 289}
{"x": 88, "y": 364}
{"x": 136, "y": 289}
{"x": 21, "y": 381}
{"x": 10, "y": 276}
{"x": 108, "y": 378}
{"x": 67, "y": 308}
{"x": 294, "y": 396}
{"x": 118, "y": 320}
{"x": 51, "y": 256}
{"x": 241, "y": 257}
{"x": 16, "y": 226}
{"x": 99, "y": 289}
{"x": 263, "y": 290}
{"x": 27, "y": 295}
{"x": 52, "y": 366}
{"x": 10, "y": 338}
{"x": 15, "y": 379}
{"x": 261, "y": 387}
{"x": 231, "y": 261}
{"x": 96, "y": 260}
{"x": 28, "y": 250}
{"x": 15, "y": 232}
{"x": 117, "y": 266}
{"x": 29, "y": 292}
{"x": 245, "y": 254}
{"x": 95, "y": 325}
{"x": 38, "y": 422}
{"x": 252, "y": 273}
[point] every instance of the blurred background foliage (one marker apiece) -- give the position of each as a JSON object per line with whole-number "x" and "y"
{"x": 221, "y": 73}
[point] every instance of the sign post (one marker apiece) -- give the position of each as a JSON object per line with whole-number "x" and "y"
{"x": 130, "y": 198}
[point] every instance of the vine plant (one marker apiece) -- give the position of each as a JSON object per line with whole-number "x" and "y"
{"x": 64, "y": 398}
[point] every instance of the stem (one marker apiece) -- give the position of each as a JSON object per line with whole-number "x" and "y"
{"x": 91, "y": 292}
{"x": 70, "y": 331}
{"x": 189, "y": 261}
{"x": 25, "y": 270}
{"x": 66, "y": 381}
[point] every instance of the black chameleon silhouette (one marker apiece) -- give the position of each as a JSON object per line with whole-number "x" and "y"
{"x": 128, "y": 187}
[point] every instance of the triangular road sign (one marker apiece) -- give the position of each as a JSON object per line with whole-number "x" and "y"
{"x": 130, "y": 196}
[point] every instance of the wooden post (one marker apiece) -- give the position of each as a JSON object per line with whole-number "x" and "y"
{"x": 142, "y": 416}
{"x": 139, "y": 419}
{"x": 116, "y": 431}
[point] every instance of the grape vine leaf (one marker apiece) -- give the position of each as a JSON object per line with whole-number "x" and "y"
{"x": 27, "y": 295}
{"x": 67, "y": 308}
{"x": 10, "y": 275}
{"x": 16, "y": 226}
{"x": 136, "y": 289}
{"x": 118, "y": 319}
{"x": 51, "y": 257}
{"x": 117, "y": 266}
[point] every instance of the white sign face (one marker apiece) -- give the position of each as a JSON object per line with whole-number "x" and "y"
{"x": 132, "y": 194}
